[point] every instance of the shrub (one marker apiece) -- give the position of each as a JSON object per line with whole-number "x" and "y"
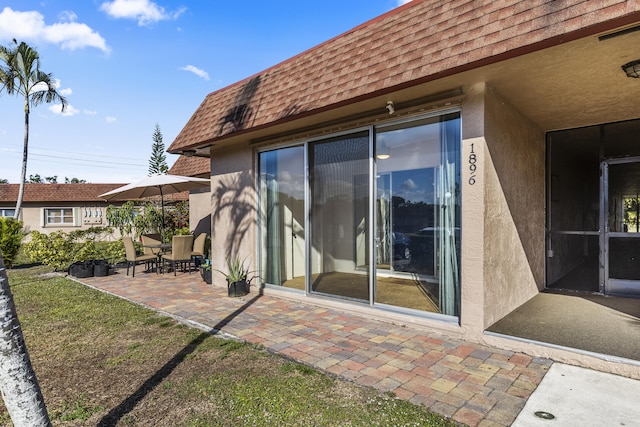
{"x": 59, "y": 249}
{"x": 11, "y": 235}
{"x": 54, "y": 250}
{"x": 114, "y": 252}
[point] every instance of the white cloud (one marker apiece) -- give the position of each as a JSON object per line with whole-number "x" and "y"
{"x": 401, "y": 2}
{"x": 409, "y": 184}
{"x": 30, "y": 26}
{"x": 90, "y": 112}
{"x": 68, "y": 112}
{"x": 41, "y": 87}
{"x": 197, "y": 71}
{"x": 144, "y": 11}
{"x": 68, "y": 16}
{"x": 110, "y": 119}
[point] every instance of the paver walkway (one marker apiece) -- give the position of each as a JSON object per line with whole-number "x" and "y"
{"x": 473, "y": 384}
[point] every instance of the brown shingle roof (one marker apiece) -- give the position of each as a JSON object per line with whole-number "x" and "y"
{"x": 191, "y": 166}
{"x": 56, "y": 192}
{"x": 37, "y": 193}
{"x": 415, "y": 43}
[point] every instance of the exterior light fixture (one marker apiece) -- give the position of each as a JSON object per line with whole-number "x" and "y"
{"x": 632, "y": 69}
{"x": 390, "y": 108}
{"x": 382, "y": 152}
{"x": 188, "y": 153}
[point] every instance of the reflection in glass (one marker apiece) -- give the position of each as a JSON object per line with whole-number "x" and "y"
{"x": 339, "y": 184}
{"x": 623, "y": 209}
{"x": 417, "y": 206}
{"x": 282, "y": 222}
{"x": 415, "y": 236}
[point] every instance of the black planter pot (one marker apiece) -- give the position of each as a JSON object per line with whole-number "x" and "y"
{"x": 238, "y": 289}
{"x": 73, "y": 269}
{"x": 206, "y": 275}
{"x": 84, "y": 269}
{"x": 100, "y": 268}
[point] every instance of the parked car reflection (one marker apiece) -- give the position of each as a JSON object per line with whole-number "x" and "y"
{"x": 401, "y": 248}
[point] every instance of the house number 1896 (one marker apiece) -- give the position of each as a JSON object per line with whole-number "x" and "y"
{"x": 472, "y": 166}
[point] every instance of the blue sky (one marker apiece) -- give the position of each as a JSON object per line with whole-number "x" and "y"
{"x": 125, "y": 65}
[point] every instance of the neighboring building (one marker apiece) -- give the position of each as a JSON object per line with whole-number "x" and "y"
{"x": 199, "y": 200}
{"x": 57, "y": 207}
{"x": 442, "y": 164}
{"x": 65, "y": 207}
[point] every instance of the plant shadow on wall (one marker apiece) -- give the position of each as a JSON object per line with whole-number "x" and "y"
{"x": 234, "y": 209}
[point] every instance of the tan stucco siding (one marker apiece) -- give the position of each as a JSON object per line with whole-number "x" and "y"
{"x": 514, "y": 208}
{"x": 86, "y": 216}
{"x": 200, "y": 212}
{"x": 472, "y": 256}
{"x": 233, "y": 207}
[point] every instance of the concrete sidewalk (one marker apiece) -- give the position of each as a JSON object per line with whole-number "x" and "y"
{"x": 473, "y": 384}
{"x": 573, "y": 396}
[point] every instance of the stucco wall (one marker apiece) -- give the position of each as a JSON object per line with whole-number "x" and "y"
{"x": 233, "y": 207}
{"x": 32, "y": 218}
{"x": 200, "y": 212}
{"x": 514, "y": 208}
{"x": 472, "y": 255}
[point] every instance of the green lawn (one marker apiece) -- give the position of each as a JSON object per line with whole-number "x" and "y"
{"x": 103, "y": 361}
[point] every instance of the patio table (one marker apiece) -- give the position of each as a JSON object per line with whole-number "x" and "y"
{"x": 162, "y": 248}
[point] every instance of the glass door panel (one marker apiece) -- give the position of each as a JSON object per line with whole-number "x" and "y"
{"x": 339, "y": 190}
{"x": 573, "y": 210}
{"x": 622, "y": 236}
{"x": 282, "y": 244}
{"x": 417, "y": 214}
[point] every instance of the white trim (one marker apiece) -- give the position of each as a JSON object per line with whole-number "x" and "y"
{"x": 75, "y": 214}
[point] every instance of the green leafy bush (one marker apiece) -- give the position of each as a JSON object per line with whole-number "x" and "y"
{"x": 114, "y": 252}
{"x": 11, "y": 235}
{"x": 60, "y": 249}
{"x": 136, "y": 220}
{"x": 53, "y": 249}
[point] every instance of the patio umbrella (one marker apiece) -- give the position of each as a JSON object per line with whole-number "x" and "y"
{"x": 156, "y": 185}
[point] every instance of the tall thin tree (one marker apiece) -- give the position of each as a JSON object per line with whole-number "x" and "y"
{"x": 20, "y": 75}
{"x": 158, "y": 160}
{"x": 18, "y": 384}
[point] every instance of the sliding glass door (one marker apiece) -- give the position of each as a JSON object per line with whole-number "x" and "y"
{"x": 282, "y": 237}
{"x": 384, "y": 200}
{"x": 339, "y": 191}
{"x": 418, "y": 214}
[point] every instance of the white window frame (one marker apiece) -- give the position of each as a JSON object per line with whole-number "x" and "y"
{"x": 75, "y": 216}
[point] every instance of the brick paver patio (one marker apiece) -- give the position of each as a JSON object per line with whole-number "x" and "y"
{"x": 473, "y": 384}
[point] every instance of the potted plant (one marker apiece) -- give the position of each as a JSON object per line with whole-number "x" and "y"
{"x": 205, "y": 271}
{"x": 236, "y": 276}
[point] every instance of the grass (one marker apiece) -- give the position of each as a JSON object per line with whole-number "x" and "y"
{"x": 101, "y": 360}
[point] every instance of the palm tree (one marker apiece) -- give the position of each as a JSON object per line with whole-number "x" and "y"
{"x": 20, "y": 389}
{"x": 20, "y": 75}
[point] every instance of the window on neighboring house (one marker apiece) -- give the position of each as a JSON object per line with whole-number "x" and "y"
{"x": 7, "y": 212}
{"x": 59, "y": 216}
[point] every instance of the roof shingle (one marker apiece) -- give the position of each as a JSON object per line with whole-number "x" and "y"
{"x": 426, "y": 37}
{"x": 51, "y": 193}
{"x": 56, "y": 192}
{"x": 191, "y": 166}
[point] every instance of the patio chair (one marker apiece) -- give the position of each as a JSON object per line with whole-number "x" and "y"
{"x": 198, "y": 246}
{"x": 133, "y": 258}
{"x": 148, "y": 240}
{"x": 181, "y": 247}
